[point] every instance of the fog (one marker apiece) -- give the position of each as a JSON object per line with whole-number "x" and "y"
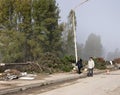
{"x": 100, "y": 17}
{"x": 93, "y": 47}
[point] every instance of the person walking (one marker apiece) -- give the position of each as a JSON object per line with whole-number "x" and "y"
{"x": 91, "y": 65}
{"x": 79, "y": 65}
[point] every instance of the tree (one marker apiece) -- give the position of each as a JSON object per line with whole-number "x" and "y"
{"x": 36, "y": 21}
{"x": 46, "y": 15}
{"x": 11, "y": 47}
{"x": 6, "y": 14}
{"x": 93, "y": 46}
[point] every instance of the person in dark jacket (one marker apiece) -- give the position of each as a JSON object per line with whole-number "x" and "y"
{"x": 79, "y": 65}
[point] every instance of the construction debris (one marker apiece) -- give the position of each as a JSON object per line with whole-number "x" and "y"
{"x": 26, "y": 76}
{"x": 10, "y": 74}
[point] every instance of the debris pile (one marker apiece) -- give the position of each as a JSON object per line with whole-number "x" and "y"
{"x": 10, "y": 74}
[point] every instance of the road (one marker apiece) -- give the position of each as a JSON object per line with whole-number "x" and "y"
{"x": 102, "y": 84}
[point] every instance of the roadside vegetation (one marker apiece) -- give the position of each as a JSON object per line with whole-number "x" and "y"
{"x": 30, "y": 32}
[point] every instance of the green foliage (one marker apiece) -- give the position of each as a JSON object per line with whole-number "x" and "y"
{"x": 11, "y": 47}
{"x": 49, "y": 63}
{"x": 46, "y": 14}
{"x": 6, "y": 13}
{"x": 100, "y": 63}
{"x": 70, "y": 59}
{"x": 67, "y": 63}
{"x": 29, "y": 29}
{"x": 36, "y": 22}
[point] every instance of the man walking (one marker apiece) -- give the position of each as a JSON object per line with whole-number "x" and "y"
{"x": 91, "y": 65}
{"x": 80, "y": 65}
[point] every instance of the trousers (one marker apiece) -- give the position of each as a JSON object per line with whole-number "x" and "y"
{"x": 90, "y": 72}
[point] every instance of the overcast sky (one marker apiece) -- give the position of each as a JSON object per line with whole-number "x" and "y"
{"x": 101, "y": 17}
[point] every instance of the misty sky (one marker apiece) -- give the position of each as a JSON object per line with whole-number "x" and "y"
{"x": 101, "y": 17}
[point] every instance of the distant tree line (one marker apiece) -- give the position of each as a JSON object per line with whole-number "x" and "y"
{"x": 92, "y": 47}
{"x": 113, "y": 55}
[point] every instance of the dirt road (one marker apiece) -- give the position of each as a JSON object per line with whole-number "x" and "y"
{"x": 104, "y": 84}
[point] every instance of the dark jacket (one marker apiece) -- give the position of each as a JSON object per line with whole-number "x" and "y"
{"x": 79, "y": 63}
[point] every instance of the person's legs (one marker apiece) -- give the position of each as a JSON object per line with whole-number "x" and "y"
{"x": 88, "y": 73}
{"x": 91, "y": 72}
{"x": 79, "y": 71}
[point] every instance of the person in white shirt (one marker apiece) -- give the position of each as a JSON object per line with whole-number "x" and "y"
{"x": 91, "y": 65}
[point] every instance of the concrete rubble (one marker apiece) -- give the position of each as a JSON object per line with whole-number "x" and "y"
{"x": 11, "y": 74}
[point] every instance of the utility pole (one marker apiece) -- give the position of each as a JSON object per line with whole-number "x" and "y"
{"x": 74, "y": 30}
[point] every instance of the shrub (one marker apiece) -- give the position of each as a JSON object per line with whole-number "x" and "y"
{"x": 100, "y": 63}
{"x": 49, "y": 63}
{"x": 67, "y": 63}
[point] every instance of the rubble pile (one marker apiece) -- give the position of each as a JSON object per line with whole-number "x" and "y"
{"x": 10, "y": 74}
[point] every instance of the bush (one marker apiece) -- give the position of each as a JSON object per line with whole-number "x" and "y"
{"x": 67, "y": 63}
{"x": 50, "y": 63}
{"x": 100, "y": 63}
